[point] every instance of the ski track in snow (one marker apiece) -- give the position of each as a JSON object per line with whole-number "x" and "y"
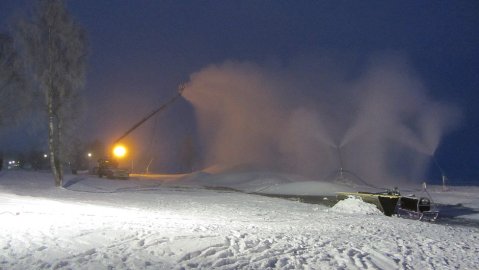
{"x": 202, "y": 229}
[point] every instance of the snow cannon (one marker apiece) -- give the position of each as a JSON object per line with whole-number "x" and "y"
{"x": 109, "y": 166}
{"x": 391, "y": 202}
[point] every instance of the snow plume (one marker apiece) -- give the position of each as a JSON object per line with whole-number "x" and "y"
{"x": 238, "y": 112}
{"x": 313, "y": 118}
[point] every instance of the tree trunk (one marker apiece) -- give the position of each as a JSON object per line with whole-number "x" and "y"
{"x": 59, "y": 154}
{"x": 53, "y": 121}
{"x": 52, "y": 143}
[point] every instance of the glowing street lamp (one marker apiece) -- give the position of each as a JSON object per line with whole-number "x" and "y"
{"x": 119, "y": 151}
{"x": 89, "y": 155}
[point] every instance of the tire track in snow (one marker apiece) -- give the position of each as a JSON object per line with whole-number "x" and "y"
{"x": 251, "y": 252}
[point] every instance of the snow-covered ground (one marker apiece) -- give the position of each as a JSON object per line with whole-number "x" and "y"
{"x": 189, "y": 222}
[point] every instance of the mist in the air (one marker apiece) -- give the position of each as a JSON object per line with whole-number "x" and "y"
{"x": 376, "y": 121}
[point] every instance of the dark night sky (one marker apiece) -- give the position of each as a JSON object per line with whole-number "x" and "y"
{"x": 142, "y": 50}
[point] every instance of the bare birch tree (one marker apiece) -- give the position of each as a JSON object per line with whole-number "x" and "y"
{"x": 54, "y": 48}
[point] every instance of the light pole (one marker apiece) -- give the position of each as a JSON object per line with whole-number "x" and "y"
{"x": 443, "y": 174}
{"x": 89, "y": 155}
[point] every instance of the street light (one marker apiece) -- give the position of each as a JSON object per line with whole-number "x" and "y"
{"x": 89, "y": 155}
{"x": 119, "y": 151}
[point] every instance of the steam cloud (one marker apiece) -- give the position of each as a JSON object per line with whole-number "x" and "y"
{"x": 312, "y": 118}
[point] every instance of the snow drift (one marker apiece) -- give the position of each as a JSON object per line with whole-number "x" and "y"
{"x": 354, "y": 205}
{"x": 112, "y": 224}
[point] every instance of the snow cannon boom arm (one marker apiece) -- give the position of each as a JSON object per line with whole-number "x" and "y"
{"x": 161, "y": 108}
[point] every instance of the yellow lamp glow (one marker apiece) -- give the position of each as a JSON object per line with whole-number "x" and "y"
{"x": 119, "y": 151}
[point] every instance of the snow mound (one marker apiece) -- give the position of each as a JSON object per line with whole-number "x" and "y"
{"x": 353, "y": 205}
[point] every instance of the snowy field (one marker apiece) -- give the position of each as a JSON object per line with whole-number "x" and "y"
{"x": 181, "y": 222}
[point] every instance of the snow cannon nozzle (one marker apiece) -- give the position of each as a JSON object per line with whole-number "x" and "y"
{"x": 181, "y": 88}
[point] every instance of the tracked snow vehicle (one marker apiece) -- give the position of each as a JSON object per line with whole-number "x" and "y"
{"x": 391, "y": 202}
{"x": 419, "y": 208}
{"x": 109, "y": 168}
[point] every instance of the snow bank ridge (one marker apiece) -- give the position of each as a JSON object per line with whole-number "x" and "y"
{"x": 353, "y": 205}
